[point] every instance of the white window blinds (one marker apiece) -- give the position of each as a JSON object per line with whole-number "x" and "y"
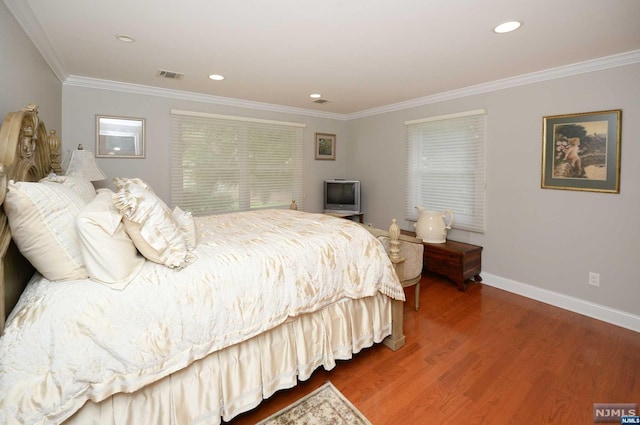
{"x": 223, "y": 163}
{"x": 446, "y": 167}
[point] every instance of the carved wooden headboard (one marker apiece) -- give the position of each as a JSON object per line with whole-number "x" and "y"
{"x": 27, "y": 153}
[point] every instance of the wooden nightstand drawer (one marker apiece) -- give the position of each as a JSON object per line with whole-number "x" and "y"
{"x": 441, "y": 259}
{"x": 456, "y": 260}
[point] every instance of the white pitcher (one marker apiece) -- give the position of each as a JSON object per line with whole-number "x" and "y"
{"x": 432, "y": 226}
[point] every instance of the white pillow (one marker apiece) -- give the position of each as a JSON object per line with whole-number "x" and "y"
{"x": 83, "y": 187}
{"x": 41, "y": 217}
{"x": 109, "y": 253}
{"x": 187, "y": 227}
{"x": 150, "y": 224}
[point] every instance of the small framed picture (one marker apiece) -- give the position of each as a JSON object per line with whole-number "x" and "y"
{"x": 582, "y": 151}
{"x": 325, "y": 146}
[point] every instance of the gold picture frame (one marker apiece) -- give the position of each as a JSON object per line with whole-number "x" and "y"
{"x": 582, "y": 151}
{"x": 325, "y": 146}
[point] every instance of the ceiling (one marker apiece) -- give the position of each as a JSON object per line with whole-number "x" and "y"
{"x": 359, "y": 54}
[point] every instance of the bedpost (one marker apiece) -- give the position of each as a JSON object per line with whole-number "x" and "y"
{"x": 397, "y": 339}
{"x": 54, "y": 147}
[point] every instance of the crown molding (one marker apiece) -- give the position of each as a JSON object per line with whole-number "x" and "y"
{"x": 599, "y": 64}
{"x": 94, "y": 83}
{"x": 22, "y": 12}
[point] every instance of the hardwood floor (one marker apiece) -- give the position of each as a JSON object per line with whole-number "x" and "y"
{"x": 484, "y": 356}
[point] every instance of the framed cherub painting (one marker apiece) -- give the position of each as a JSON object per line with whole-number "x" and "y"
{"x": 582, "y": 151}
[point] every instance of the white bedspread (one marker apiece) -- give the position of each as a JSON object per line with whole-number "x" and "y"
{"x": 67, "y": 342}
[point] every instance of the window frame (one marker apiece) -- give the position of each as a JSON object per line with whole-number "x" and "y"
{"x": 445, "y": 163}
{"x": 231, "y": 164}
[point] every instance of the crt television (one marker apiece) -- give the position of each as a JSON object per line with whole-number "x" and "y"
{"x": 342, "y": 196}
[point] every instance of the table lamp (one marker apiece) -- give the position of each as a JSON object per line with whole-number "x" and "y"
{"x": 82, "y": 163}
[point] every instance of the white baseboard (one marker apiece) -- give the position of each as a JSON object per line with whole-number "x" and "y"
{"x": 577, "y": 305}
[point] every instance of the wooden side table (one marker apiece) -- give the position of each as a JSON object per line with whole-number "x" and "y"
{"x": 456, "y": 260}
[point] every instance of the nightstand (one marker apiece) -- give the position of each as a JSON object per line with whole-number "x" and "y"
{"x": 456, "y": 260}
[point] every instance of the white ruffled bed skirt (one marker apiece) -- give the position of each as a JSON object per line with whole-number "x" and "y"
{"x": 236, "y": 379}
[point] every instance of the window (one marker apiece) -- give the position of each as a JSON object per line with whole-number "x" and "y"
{"x": 445, "y": 167}
{"x": 222, "y": 163}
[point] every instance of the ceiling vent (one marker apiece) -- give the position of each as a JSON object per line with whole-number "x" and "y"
{"x": 170, "y": 74}
{"x": 320, "y": 101}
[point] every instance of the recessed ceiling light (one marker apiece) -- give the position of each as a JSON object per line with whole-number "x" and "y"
{"x": 125, "y": 38}
{"x": 507, "y": 27}
{"x": 216, "y": 77}
{"x": 315, "y": 96}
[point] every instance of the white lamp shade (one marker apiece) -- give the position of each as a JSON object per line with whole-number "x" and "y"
{"x": 82, "y": 163}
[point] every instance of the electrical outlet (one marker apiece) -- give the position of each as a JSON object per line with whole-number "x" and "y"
{"x": 594, "y": 279}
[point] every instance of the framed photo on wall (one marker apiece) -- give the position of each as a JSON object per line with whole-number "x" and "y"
{"x": 582, "y": 151}
{"x": 325, "y": 146}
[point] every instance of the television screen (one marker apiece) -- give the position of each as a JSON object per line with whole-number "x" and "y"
{"x": 342, "y": 196}
{"x": 341, "y": 193}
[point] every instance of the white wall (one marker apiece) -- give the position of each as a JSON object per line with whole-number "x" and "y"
{"x": 25, "y": 77}
{"x": 80, "y": 106}
{"x": 539, "y": 242}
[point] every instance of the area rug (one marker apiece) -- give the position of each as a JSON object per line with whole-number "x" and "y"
{"x": 326, "y": 405}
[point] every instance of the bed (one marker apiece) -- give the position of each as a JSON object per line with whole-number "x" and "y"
{"x": 167, "y": 318}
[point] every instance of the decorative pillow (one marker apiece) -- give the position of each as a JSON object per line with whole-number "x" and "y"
{"x": 41, "y": 217}
{"x": 83, "y": 187}
{"x": 150, "y": 224}
{"x": 109, "y": 254}
{"x": 187, "y": 226}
